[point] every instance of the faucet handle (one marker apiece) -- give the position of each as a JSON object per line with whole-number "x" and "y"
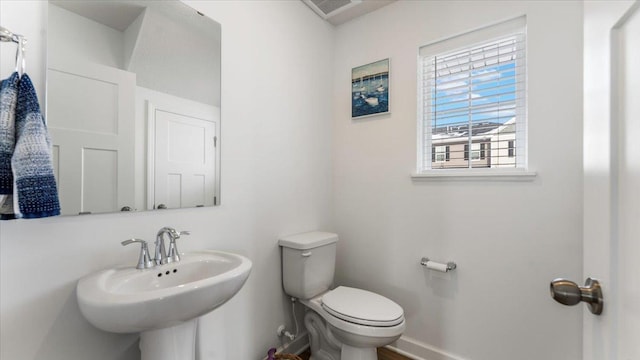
{"x": 173, "y": 254}
{"x": 133, "y": 241}
{"x": 144, "y": 261}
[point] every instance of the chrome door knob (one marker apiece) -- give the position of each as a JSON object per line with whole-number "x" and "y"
{"x": 569, "y": 293}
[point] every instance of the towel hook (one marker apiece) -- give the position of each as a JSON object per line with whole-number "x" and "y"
{"x": 21, "y": 55}
{"x": 7, "y": 36}
{"x": 21, "y": 61}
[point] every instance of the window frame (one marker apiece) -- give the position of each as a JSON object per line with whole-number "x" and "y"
{"x": 424, "y": 135}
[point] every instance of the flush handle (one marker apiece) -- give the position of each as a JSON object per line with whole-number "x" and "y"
{"x": 569, "y": 293}
{"x": 306, "y": 254}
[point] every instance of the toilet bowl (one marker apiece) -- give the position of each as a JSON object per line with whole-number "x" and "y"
{"x": 344, "y": 323}
{"x": 359, "y": 321}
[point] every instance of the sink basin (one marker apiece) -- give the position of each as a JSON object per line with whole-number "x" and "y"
{"x": 125, "y": 300}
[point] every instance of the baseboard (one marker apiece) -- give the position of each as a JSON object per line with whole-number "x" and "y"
{"x": 405, "y": 346}
{"x": 297, "y": 346}
{"x": 416, "y": 350}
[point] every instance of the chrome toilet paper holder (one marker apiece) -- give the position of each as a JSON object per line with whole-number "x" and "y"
{"x": 449, "y": 265}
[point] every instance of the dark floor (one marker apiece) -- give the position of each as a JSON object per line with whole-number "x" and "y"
{"x": 383, "y": 354}
{"x": 386, "y": 354}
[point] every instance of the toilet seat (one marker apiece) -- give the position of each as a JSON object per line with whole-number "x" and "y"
{"x": 362, "y": 307}
{"x": 315, "y": 304}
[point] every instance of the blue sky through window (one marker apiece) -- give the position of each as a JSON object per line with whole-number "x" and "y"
{"x": 486, "y": 93}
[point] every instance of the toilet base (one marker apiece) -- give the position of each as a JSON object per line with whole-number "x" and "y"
{"x": 334, "y": 339}
{"x": 322, "y": 343}
{"x": 330, "y": 343}
{"x": 353, "y": 353}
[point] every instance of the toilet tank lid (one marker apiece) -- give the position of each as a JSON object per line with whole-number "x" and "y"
{"x": 308, "y": 240}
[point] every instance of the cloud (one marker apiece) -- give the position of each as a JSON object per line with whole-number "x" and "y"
{"x": 464, "y": 96}
{"x": 485, "y": 75}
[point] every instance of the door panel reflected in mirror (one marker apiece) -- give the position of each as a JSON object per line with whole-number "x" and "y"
{"x": 133, "y": 105}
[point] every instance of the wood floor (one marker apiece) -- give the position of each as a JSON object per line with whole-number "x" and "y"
{"x": 386, "y": 354}
{"x": 305, "y": 355}
{"x": 383, "y": 354}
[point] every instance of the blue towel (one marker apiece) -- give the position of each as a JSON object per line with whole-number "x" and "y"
{"x": 32, "y": 162}
{"x": 8, "y": 101}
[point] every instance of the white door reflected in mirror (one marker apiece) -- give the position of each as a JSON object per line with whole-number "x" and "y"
{"x": 92, "y": 135}
{"x": 183, "y": 143}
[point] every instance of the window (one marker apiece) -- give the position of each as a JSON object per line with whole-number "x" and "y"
{"x": 477, "y": 151}
{"x": 440, "y": 154}
{"x": 472, "y": 96}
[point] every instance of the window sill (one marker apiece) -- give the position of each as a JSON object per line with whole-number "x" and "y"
{"x": 483, "y": 175}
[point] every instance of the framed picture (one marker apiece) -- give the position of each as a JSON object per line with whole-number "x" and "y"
{"x": 370, "y": 89}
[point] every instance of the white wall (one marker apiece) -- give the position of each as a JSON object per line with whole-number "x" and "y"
{"x": 76, "y": 38}
{"x": 153, "y": 43}
{"x": 276, "y": 180}
{"x": 512, "y": 240}
{"x": 165, "y": 42}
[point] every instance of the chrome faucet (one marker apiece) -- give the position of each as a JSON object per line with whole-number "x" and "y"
{"x": 173, "y": 255}
{"x": 144, "y": 262}
{"x": 161, "y": 256}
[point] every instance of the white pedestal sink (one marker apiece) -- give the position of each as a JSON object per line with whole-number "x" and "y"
{"x": 162, "y": 303}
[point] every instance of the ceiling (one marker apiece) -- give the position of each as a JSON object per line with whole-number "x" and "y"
{"x": 120, "y": 14}
{"x": 338, "y": 12}
{"x": 117, "y": 15}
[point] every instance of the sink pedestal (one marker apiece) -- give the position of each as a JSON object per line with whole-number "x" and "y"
{"x": 173, "y": 343}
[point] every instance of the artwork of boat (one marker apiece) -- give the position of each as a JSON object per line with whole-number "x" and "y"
{"x": 370, "y": 89}
{"x": 371, "y": 101}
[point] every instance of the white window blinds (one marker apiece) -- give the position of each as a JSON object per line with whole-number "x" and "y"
{"x": 472, "y": 92}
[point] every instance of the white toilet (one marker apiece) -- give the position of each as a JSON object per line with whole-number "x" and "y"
{"x": 343, "y": 323}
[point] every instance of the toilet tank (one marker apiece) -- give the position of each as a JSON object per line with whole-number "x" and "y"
{"x": 308, "y": 263}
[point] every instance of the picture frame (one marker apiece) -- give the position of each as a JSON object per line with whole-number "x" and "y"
{"x": 370, "y": 89}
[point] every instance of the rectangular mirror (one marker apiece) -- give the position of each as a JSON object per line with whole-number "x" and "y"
{"x": 133, "y": 105}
